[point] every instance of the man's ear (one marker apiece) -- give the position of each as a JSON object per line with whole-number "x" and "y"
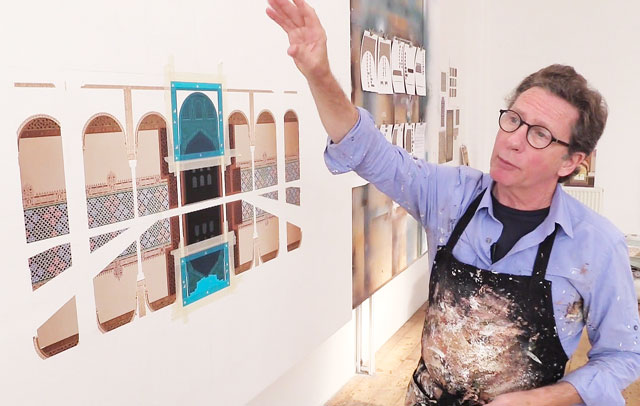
{"x": 570, "y": 163}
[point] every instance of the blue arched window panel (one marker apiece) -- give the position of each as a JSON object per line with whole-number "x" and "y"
{"x": 204, "y": 273}
{"x": 198, "y": 130}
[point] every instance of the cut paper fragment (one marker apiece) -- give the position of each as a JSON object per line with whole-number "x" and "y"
{"x": 265, "y": 161}
{"x": 368, "y": 62}
{"x": 271, "y": 195}
{"x": 204, "y": 273}
{"x": 197, "y": 120}
{"x": 291, "y": 146}
{"x": 115, "y": 291}
{"x": 268, "y": 240}
{"x": 239, "y": 175}
{"x": 293, "y": 195}
{"x": 107, "y": 172}
{"x": 420, "y": 72}
{"x": 49, "y": 264}
{"x": 409, "y": 69}
{"x": 240, "y": 215}
{"x": 385, "y": 80}
{"x": 397, "y": 65}
{"x": 201, "y": 184}
{"x": 294, "y": 237}
{"x": 156, "y": 244}
{"x": 156, "y": 186}
{"x": 202, "y": 224}
{"x": 59, "y": 333}
{"x": 44, "y": 196}
{"x": 387, "y": 131}
{"x": 419, "y": 140}
{"x": 98, "y": 241}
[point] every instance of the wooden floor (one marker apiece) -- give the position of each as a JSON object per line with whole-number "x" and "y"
{"x": 395, "y": 362}
{"x": 397, "y": 359}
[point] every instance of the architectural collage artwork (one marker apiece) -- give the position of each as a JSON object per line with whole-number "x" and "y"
{"x": 191, "y": 179}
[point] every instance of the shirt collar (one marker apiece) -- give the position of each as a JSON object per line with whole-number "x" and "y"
{"x": 558, "y": 212}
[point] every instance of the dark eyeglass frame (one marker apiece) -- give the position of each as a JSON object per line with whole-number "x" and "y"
{"x": 529, "y": 127}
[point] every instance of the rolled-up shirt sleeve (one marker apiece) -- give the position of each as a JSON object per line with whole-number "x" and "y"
{"x": 613, "y": 326}
{"x": 390, "y": 168}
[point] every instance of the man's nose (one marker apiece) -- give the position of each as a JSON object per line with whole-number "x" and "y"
{"x": 518, "y": 138}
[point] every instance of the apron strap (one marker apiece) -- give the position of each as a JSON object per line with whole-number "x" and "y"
{"x": 542, "y": 258}
{"x": 464, "y": 221}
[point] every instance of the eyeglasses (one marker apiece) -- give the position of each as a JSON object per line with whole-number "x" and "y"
{"x": 537, "y": 136}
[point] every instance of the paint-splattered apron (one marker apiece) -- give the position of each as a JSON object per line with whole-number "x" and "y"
{"x": 485, "y": 333}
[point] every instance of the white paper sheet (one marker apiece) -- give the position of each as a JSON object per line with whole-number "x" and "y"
{"x": 420, "y": 72}
{"x": 385, "y": 81}
{"x": 397, "y": 65}
{"x": 409, "y": 69}
{"x": 368, "y": 62}
{"x": 409, "y": 135}
{"x": 398, "y": 134}
{"x": 387, "y": 131}
{"x": 419, "y": 139}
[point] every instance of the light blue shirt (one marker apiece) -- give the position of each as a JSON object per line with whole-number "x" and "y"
{"x": 592, "y": 284}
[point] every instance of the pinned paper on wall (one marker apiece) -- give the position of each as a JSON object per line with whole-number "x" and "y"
{"x": 409, "y": 136}
{"x": 398, "y": 135}
{"x": 419, "y": 140}
{"x": 387, "y": 131}
{"x": 385, "y": 81}
{"x": 409, "y": 69}
{"x": 397, "y": 65}
{"x": 368, "y": 59}
{"x": 420, "y": 72}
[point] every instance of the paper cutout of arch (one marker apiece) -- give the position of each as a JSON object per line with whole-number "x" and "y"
{"x": 239, "y": 175}
{"x": 291, "y": 146}
{"x": 107, "y": 172}
{"x": 265, "y": 159}
{"x": 44, "y": 196}
{"x": 157, "y": 187}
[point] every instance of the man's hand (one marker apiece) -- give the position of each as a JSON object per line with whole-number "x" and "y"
{"x": 308, "y": 48}
{"x": 559, "y": 394}
{"x": 307, "y": 38}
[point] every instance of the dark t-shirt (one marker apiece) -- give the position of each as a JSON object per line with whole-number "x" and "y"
{"x": 516, "y": 224}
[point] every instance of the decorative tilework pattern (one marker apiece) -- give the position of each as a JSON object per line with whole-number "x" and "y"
{"x": 45, "y": 222}
{"x": 100, "y": 240}
{"x": 130, "y": 250}
{"x": 266, "y": 176}
{"x": 293, "y": 195}
{"x": 292, "y": 170}
{"x": 247, "y": 211}
{"x": 157, "y": 235}
{"x": 246, "y": 181}
{"x": 153, "y": 199}
{"x": 271, "y": 195}
{"x": 109, "y": 209}
{"x": 49, "y": 264}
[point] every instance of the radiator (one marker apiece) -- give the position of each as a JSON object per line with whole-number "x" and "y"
{"x": 589, "y": 196}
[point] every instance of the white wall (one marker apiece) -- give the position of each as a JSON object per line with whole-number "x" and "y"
{"x": 508, "y": 40}
{"x": 231, "y": 346}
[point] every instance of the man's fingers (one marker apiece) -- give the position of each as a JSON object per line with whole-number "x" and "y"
{"x": 308, "y": 14}
{"x": 288, "y": 11}
{"x": 285, "y": 24}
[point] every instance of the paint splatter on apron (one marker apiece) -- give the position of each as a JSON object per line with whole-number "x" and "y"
{"x": 485, "y": 333}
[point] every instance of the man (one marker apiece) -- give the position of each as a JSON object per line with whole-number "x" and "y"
{"x": 519, "y": 267}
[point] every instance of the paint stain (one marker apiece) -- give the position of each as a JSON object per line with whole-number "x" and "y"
{"x": 584, "y": 269}
{"x": 574, "y": 311}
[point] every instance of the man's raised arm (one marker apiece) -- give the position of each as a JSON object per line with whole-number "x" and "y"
{"x": 308, "y": 48}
